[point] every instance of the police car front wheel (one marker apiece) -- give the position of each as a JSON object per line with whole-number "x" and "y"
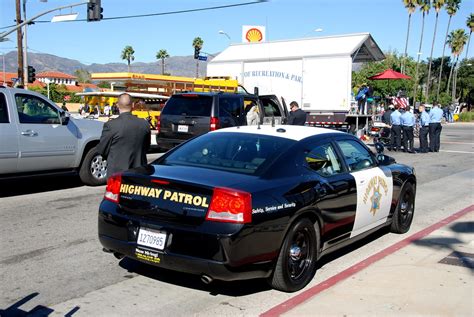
{"x": 403, "y": 215}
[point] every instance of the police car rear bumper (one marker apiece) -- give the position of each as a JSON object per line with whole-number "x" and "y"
{"x": 189, "y": 252}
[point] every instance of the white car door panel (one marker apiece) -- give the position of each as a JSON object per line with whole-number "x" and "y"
{"x": 44, "y": 143}
{"x": 374, "y": 198}
{"x": 8, "y": 140}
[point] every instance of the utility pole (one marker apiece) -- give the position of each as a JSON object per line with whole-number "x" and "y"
{"x": 25, "y": 50}
{"x": 19, "y": 38}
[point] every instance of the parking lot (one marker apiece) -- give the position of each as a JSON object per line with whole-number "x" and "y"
{"x": 52, "y": 262}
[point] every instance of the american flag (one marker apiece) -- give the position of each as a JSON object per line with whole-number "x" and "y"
{"x": 401, "y": 101}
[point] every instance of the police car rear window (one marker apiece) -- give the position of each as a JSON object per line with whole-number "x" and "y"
{"x": 234, "y": 152}
{"x": 188, "y": 105}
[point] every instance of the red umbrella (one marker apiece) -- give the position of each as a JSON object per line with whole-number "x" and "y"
{"x": 389, "y": 74}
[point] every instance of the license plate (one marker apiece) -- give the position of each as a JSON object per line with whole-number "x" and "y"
{"x": 183, "y": 128}
{"x": 151, "y": 238}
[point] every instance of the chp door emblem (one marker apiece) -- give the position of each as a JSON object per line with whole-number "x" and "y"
{"x": 376, "y": 189}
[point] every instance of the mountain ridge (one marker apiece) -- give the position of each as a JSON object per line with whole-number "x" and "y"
{"x": 175, "y": 65}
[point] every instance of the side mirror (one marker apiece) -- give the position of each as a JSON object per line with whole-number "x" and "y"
{"x": 379, "y": 148}
{"x": 64, "y": 116}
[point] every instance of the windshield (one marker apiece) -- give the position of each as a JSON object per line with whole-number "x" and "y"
{"x": 237, "y": 152}
{"x": 189, "y": 105}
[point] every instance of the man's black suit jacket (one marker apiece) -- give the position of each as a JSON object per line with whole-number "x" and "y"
{"x": 124, "y": 143}
{"x": 297, "y": 117}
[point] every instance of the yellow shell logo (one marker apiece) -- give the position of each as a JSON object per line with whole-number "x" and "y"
{"x": 254, "y": 35}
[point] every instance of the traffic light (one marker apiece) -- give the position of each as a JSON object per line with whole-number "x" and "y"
{"x": 94, "y": 11}
{"x": 197, "y": 50}
{"x": 31, "y": 74}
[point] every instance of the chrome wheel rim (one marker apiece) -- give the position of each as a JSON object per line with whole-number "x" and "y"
{"x": 299, "y": 255}
{"x": 98, "y": 167}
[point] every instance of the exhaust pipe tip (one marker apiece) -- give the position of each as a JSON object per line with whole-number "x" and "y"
{"x": 206, "y": 279}
{"x": 118, "y": 255}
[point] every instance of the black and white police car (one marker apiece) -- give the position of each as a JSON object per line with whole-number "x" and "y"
{"x": 255, "y": 202}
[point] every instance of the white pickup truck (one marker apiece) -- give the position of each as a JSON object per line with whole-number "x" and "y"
{"x": 37, "y": 137}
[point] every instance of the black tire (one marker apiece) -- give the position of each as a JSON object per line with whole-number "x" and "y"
{"x": 403, "y": 215}
{"x": 93, "y": 170}
{"x": 296, "y": 264}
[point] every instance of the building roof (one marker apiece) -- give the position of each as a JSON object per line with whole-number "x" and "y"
{"x": 54, "y": 74}
{"x": 361, "y": 47}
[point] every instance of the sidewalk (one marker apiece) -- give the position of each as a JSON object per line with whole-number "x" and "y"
{"x": 429, "y": 273}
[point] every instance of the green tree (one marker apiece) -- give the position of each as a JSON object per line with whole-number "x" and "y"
{"x": 457, "y": 39}
{"x": 410, "y": 5}
{"x": 425, "y": 7}
{"x": 386, "y": 87}
{"x": 466, "y": 81}
{"x": 470, "y": 26}
{"x": 197, "y": 44}
{"x": 83, "y": 76}
{"x": 162, "y": 54}
{"x": 452, "y": 6}
{"x": 437, "y": 5}
{"x": 127, "y": 54}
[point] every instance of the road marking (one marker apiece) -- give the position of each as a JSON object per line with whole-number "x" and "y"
{"x": 449, "y": 142}
{"x": 463, "y": 152}
{"x": 309, "y": 293}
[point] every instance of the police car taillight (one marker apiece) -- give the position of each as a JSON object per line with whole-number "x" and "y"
{"x": 214, "y": 124}
{"x": 112, "y": 190}
{"x": 230, "y": 205}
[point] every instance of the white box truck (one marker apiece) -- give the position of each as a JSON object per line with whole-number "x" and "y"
{"x": 315, "y": 72}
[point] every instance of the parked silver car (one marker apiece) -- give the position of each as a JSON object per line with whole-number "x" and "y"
{"x": 38, "y": 137}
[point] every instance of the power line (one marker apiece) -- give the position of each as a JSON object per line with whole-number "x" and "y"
{"x": 160, "y": 13}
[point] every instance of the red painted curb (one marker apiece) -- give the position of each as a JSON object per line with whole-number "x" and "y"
{"x": 302, "y": 297}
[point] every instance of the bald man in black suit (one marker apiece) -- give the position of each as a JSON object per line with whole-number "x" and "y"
{"x": 125, "y": 140}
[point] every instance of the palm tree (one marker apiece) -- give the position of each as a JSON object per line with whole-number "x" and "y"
{"x": 425, "y": 7}
{"x": 162, "y": 54}
{"x": 410, "y": 5}
{"x": 470, "y": 26}
{"x": 457, "y": 39}
{"x": 197, "y": 44}
{"x": 437, "y": 5}
{"x": 452, "y": 6}
{"x": 127, "y": 54}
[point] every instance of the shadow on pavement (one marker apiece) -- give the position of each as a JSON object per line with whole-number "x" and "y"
{"x": 236, "y": 288}
{"x": 39, "y": 310}
{"x": 37, "y": 184}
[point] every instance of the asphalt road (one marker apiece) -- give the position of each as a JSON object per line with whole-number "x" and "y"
{"x": 51, "y": 261}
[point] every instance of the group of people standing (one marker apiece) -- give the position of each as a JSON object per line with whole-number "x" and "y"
{"x": 403, "y": 121}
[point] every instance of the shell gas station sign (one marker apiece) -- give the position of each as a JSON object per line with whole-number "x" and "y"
{"x": 253, "y": 33}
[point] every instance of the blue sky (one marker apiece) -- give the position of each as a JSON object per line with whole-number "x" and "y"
{"x": 102, "y": 42}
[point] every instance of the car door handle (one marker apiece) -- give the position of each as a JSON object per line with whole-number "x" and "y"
{"x": 29, "y": 133}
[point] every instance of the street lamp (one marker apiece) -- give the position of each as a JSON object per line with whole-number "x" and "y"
{"x": 224, "y": 33}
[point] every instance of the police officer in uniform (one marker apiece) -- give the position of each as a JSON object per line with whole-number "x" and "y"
{"x": 297, "y": 116}
{"x": 424, "y": 129}
{"x": 386, "y": 115}
{"x": 395, "y": 132}
{"x": 407, "y": 121}
{"x": 436, "y": 114}
{"x": 124, "y": 140}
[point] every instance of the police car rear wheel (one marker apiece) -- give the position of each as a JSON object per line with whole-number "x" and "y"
{"x": 403, "y": 215}
{"x": 296, "y": 262}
